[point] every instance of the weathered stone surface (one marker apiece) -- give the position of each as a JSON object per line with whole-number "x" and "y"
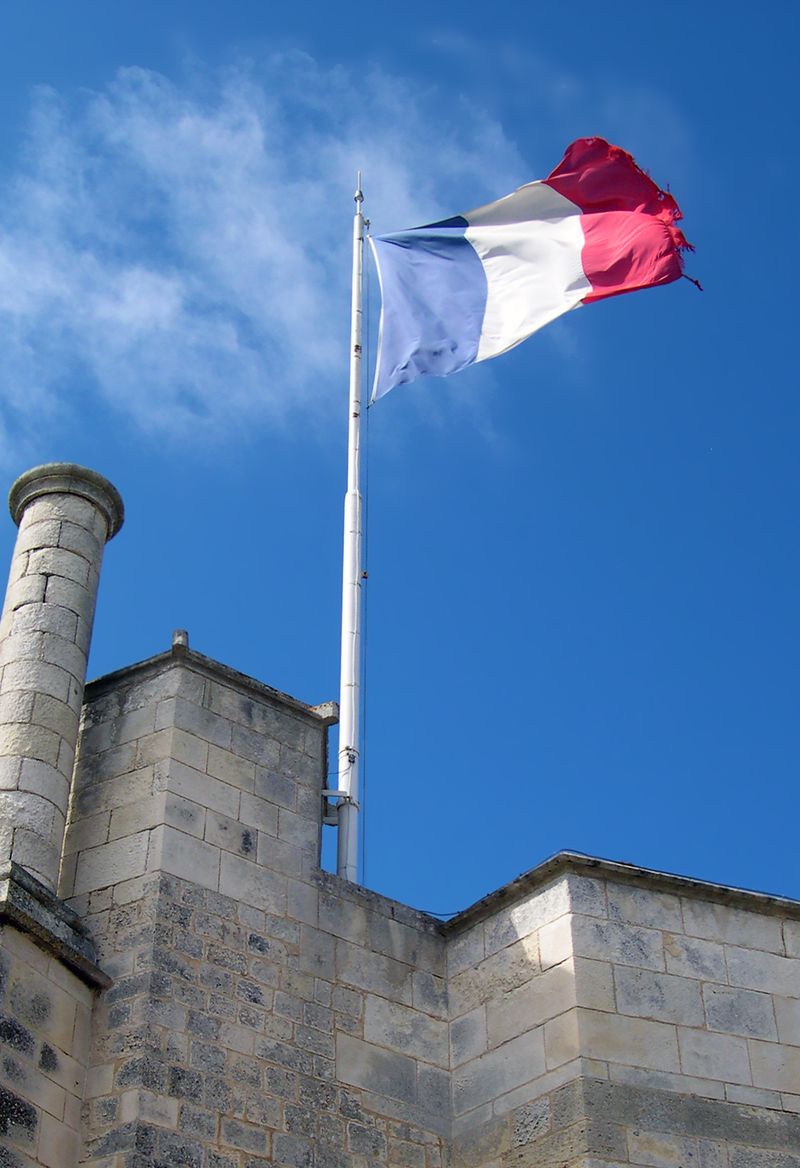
{"x": 400, "y": 1028}
{"x": 659, "y": 996}
{"x": 740, "y": 1012}
{"x": 383, "y": 1072}
{"x": 498, "y": 1071}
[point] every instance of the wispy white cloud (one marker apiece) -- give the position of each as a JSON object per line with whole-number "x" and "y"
{"x": 181, "y": 251}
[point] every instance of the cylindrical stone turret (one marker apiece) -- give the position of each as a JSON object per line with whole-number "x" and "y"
{"x": 65, "y": 514}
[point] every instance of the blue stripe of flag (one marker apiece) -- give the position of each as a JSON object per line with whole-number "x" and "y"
{"x": 434, "y": 290}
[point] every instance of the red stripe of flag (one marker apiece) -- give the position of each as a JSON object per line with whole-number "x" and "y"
{"x": 631, "y": 240}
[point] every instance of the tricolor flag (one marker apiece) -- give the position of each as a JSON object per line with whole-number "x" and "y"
{"x": 473, "y": 286}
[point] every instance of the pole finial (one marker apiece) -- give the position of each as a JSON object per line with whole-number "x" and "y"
{"x": 359, "y": 195}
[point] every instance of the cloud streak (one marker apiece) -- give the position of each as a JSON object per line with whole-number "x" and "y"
{"x": 181, "y": 251}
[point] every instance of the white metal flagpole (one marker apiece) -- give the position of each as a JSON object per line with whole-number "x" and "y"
{"x": 352, "y": 579}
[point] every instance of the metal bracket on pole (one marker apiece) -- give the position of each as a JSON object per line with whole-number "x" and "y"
{"x": 330, "y": 811}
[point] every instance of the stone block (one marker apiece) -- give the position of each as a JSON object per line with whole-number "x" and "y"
{"x": 29, "y": 741}
{"x": 620, "y": 943}
{"x": 59, "y": 562}
{"x": 38, "y": 534}
{"x": 479, "y": 1139}
{"x": 660, "y": 996}
{"x": 302, "y": 902}
{"x": 400, "y": 1028}
{"x": 58, "y": 1145}
{"x": 298, "y": 830}
{"x": 343, "y": 918}
{"x": 27, "y": 590}
{"x": 229, "y": 767}
{"x": 644, "y": 906}
{"x": 275, "y": 788}
{"x": 468, "y": 1036}
{"x": 416, "y": 946}
{"x": 35, "y": 853}
{"x": 259, "y": 813}
{"x": 373, "y": 972}
{"x": 587, "y": 896}
{"x": 203, "y": 789}
{"x": 714, "y": 1056}
{"x": 692, "y": 957}
{"x": 498, "y": 1071}
{"x": 10, "y": 768}
{"x": 17, "y": 706}
{"x": 110, "y": 863}
{"x": 661, "y": 1149}
{"x": 526, "y": 916}
{"x": 23, "y": 646}
{"x": 497, "y": 975}
{"x": 45, "y": 618}
{"x": 84, "y": 542}
{"x": 531, "y": 1121}
{"x": 201, "y": 723}
{"x": 136, "y": 817}
{"x": 736, "y": 926}
{"x": 64, "y": 653}
{"x": 184, "y": 815}
{"x": 189, "y": 749}
{"x": 594, "y": 984}
{"x": 433, "y": 1091}
{"x": 753, "y": 1096}
{"x": 739, "y": 1012}
{"x": 155, "y": 747}
{"x": 21, "y": 1075}
{"x": 21, "y": 809}
{"x": 257, "y": 886}
{"x": 317, "y": 953}
{"x": 555, "y": 942}
{"x": 465, "y": 950}
{"x": 256, "y": 748}
{"x": 561, "y": 1040}
{"x": 614, "y": 1038}
{"x": 229, "y": 835}
{"x": 743, "y": 1157}
{"x": 67, "y": 508}
{"x": 756, "y": 970}
{"x": 381, "y": 1071}
{"x": 185, "y": 856}
{"x": 138, "y": 723}
{"x": 280, "y": 855}
{"x": 545, "y": 996}
{"x": 787, "y": 1014}
{"x": 55, "y": 715}
{"x": 429, "y": 993}
{"x": 775, "y": 1067}
{"x": 791, "y": 938}
{"x": 66, "y": 594}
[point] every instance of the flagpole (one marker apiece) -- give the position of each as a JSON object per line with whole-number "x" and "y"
{"x": 352, "y": 577}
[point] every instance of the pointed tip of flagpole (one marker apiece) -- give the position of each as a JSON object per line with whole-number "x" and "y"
{"x": 359, "y": 195}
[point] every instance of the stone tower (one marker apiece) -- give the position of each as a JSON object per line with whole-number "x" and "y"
{"x": 197, "y": 992}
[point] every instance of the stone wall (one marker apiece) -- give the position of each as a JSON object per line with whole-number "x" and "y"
{"x": 45, "y": 1012}
{"x": 627, "y": 1017}
{"x": 261, "y": 1011}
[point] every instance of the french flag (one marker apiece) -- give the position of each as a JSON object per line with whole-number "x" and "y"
{"x": 473, "y": 286}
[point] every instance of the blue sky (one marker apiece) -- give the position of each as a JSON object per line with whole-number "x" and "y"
{"x": 583, "y": 596}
